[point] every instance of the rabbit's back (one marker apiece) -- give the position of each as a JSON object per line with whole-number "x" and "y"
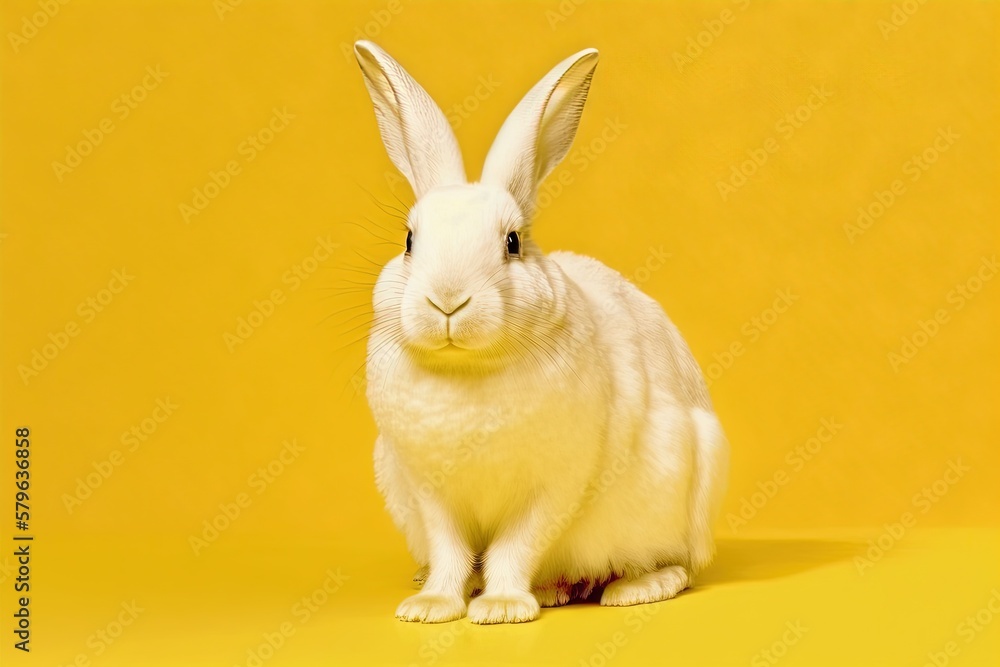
{"x": 627, "y": 319}
{"x": 653, "y": 497}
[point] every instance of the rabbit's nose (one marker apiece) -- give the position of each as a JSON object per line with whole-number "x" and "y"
{"x": 449, "y": 306}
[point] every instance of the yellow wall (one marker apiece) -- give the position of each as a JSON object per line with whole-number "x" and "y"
{"x": 664, "y": 127}
{"x": 150, "y": 421}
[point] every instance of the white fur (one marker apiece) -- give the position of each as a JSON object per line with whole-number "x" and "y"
{"x": 542, "y": 424}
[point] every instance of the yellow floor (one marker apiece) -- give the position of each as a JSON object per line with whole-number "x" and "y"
{"x": 803, "y": 600}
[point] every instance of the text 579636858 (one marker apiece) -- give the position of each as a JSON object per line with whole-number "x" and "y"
{"x": 22, "y": 542}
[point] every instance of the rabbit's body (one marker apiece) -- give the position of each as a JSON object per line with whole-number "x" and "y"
{"x": 538, "y": 415}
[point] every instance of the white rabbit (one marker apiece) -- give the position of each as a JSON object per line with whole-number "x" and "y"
{"x": 542, "y": 424}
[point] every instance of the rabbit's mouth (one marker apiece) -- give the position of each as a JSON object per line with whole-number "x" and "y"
{"x": 452, "y": 355}
{"x": 443, "y": 346}
{"x": 426, "y": 330}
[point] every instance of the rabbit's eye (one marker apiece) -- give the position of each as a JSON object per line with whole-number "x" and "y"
{"x": 409, "y": 242}
{"x": 513, "y": 244}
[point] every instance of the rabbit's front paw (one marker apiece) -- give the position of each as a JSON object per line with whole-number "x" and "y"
{"x": 431, "y": 608}
{"x": 506, "y": 608}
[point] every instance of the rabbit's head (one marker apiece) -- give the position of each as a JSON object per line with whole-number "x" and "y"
{"x": 471, "y": 286}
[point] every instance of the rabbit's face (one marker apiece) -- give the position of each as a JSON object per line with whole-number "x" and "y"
{"x": 472, "y": 288}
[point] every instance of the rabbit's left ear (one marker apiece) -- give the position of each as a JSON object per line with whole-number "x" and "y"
{"x": 538, "y": 133}
{"x": 415, "y": 132}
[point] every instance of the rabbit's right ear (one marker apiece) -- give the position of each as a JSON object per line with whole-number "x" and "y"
{"x": 415, "y": 132}
{"x": 539, "y": 131}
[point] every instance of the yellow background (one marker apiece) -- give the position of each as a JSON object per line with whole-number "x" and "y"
{"x": 651, "y": 186}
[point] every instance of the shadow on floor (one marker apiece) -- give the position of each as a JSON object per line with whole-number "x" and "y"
{"x": 750, "y": 560}
{"x": 743, "y": 560}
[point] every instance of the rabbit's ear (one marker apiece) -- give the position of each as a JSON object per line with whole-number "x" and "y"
{"x": 415, "y": 132}
{"x": 538, "y": 133}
